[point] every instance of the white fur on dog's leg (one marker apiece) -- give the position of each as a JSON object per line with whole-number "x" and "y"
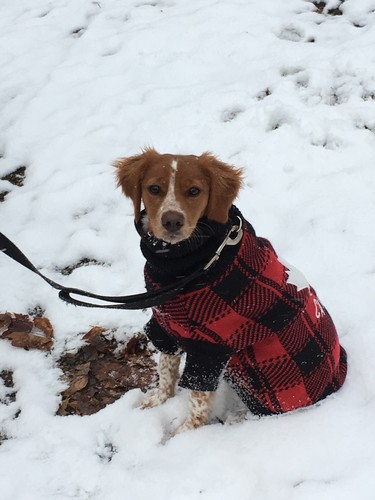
{"x": 154, "y": 398}
{"x": 200, "y": 403}
{"x": 168, "y": 373}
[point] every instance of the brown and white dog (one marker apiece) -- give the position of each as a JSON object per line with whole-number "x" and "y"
{"x": 177, "y": 191}
{"x": 287, "y": 340}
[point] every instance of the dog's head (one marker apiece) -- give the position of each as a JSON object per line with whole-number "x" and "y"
{"x": 177, "y": 190}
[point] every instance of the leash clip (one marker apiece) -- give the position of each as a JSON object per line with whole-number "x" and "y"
{"x": 237, "y": 228}
{"x": 228, "y": 240}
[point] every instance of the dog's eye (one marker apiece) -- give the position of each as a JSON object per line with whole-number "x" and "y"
{"x": 193, "y": 191}
{"x": 154, "y": 189}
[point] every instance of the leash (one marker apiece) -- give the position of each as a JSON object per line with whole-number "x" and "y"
{"x": 139, "y": 301}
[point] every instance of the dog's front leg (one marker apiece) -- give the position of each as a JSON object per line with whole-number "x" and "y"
{"x": 168, "y": 374}
{"x": 200, "y": 403}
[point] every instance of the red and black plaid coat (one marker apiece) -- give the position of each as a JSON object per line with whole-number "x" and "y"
{"x": 260, "y": 323}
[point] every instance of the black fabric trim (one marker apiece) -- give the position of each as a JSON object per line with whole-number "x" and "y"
{"x": 251, "y": 402}
{"x": 204, "y": 366}
{"x": 205, "y": 361}
{"x": 161, "y": 340}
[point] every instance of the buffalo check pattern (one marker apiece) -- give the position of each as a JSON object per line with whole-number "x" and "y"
{"x": 281, "y": 349}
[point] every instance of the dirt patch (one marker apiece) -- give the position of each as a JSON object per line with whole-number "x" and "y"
{"x": 336, "y": 11}
{"x": 16, "y": 178}
{"x": 3, "y": 195}
{"x": 66, "y": 271}
{"x": 98, "y": 374}
{"x": 6, "y": 377}
{"x": 7, "y": 395}
{"x": 102, "y": 371}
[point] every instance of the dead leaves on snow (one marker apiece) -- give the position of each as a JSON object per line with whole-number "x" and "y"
{"x": 24, "y": 331}
{"x": 102, "y": 371}
{"x": 98, "y": 374}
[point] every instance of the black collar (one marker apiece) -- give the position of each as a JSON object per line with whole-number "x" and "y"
{"x": 166, "y": 262}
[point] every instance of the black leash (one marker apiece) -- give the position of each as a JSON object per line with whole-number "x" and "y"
{"x": 138, "y": 301}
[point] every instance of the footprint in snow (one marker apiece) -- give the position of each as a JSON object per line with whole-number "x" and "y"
{"x": 78, "y": 32}
{"x": 228, "y": 115}
{"x": 292, "y": 33}
{"x": 292, "y": 70}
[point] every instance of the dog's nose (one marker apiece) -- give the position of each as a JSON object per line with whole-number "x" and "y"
{"x": 172, "y": 221}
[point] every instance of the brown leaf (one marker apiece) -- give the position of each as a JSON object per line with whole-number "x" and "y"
{"x": 29, "y": 340}
{"x": 63, "y": 407}
{"x": 95, "y": 330}
{"x": 21, "y": 323}
{"x": 83, "y": 369}
{"x": 87, "y": 354}
{"x": 136, "y": 344}
{"x": 5, "y": 321}
{"x": 24, "y": 332}
{"x": 44, "y": 325}
{"x": 88, "y": 406}
{"x": 77, "y": 384}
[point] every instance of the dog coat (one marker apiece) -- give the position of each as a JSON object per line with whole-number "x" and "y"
{"x": 253, "y": 317}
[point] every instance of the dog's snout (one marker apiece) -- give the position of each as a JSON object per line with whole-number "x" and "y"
{"x": 172, "y": 221}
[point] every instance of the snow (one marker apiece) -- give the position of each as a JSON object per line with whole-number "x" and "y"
{"x": 275, "y": 87}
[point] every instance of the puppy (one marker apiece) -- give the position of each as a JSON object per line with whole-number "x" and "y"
{"x": 252, "y": 317}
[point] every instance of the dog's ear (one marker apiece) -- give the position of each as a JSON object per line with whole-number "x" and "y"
{"x": 225, "y": 183}
{"x": 130, "y": 172}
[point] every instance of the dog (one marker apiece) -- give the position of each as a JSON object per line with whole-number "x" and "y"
{"x": 252, "y": 317}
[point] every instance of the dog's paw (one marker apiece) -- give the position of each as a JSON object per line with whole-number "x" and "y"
{"x": 238, "y": 417}
{"x": 181, "y": 428}
{"x": 153, "y": 399}
{"x": 188, "y": 425}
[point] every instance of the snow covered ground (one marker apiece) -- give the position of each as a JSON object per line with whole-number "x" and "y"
{"x": 285, "y": 90}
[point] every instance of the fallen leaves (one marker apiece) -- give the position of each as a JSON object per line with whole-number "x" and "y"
{"x": 24, "y": 331}
{"x": 98, "y": 374}
{"x": 102, "y": 371}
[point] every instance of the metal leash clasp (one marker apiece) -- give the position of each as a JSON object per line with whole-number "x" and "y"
{"x": 228, "y": 240}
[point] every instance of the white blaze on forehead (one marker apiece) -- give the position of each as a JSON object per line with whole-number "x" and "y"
{"x": 170, "y": 202}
